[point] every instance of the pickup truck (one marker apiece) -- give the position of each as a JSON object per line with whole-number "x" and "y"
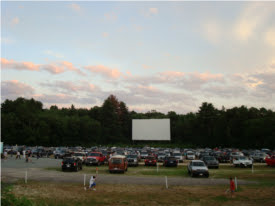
{"x": 95, "y": 158}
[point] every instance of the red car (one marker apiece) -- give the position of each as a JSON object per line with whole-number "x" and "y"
{"x": 270, "y": 161}
{"x": 95, "y": 158}
{"x": 150, "y": 160}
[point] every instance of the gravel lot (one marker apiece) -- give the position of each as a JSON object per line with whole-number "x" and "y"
{"x": 12, "y": 170}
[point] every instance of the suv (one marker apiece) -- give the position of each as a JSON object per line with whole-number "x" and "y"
{"x": 71, "y": 163}
{"x": 197, "y": 168}
{"x": 95, "y": 158}
{"x": 211, "y": 162}
{"x": 132, "y": 160}
{"x": 170, "y": 161}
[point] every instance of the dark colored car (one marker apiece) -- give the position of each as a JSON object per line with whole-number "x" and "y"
{"x": 223, "y": 157}
{"x": 72, "y": 164}
{"x": 59, "y": 154}
{"x": 211, "y": 162}
{"x": 150, "y": 160}
{"x": 132, "y": 160}
{"x": 170, "y": 161}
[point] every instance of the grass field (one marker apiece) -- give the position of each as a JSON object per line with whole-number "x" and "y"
{"x": 260, "y": 172}
{"x": 68, "y": 194}
{"x": 53, "y": 194}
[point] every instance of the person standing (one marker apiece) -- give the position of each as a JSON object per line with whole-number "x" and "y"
{"x": 232, "y": 187}
{"x": 5, "y": 154}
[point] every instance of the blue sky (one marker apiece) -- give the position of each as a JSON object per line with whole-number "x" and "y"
{"x": 151, "y": 55}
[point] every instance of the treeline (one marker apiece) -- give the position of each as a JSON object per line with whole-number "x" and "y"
{"x": 25, "y": 122}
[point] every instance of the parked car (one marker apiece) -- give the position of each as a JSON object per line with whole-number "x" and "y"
{"x": 259, "y": 157}
{"x": 80, "y": 155}
{"x": 223, "y": 157}
{"x": 242, "y": 161}
{"x": 178, "y": 156}
{"x": 71, "y": 163}
{"x": 270, "y": 161}
{"x": 59, "y": 154}
{"x": 143, "y": 155}
{"x": 132, "y": 160}
{"x": 197, "y": 168}
{"x": 150, "y": 160}
{"x": 210, "y": 162}
{"x": 161, "y": 157}
{"x": 190, "y": 155}
{"x": 95, "y": 158}
{"x": 118, "y": 163}
{"x": 170, "y": 161}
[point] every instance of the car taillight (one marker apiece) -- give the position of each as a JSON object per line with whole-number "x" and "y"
{"x": 62, "y": 163}
{"x": 74, "y": 164}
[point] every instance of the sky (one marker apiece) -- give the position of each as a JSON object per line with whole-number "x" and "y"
{"x": 164, "y": 56}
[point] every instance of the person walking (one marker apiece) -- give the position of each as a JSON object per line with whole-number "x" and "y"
{"x": 18, "y": 155}
{"x": 24, "y": 154}
{"x": 92, "y": 183}
{"x": 232, "y": 187}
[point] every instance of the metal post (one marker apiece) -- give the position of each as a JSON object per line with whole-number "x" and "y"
{"x": 26, "y": 176}
{"x": 166, "y": 182}
{"x": 236, "y": 183}
{"x": 84, "y": 179}
{"x": 252, "y": 168}
{"x": 157, "y": 167}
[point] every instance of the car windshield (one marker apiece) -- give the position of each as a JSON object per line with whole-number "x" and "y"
{"x": 78, "y": 154}
{"x": 94, "y": 154}
{"x": 171, "y": 158}
{"x": 209, "y": 158}
{"x": 242, "y": 158}
{"x": 177, "y": 154}
{"x": 190, "y": 153}
{"x": 144, "y": 153}
{"x": 116, "y": 161}
{"x": 131, "y": 156}
{"x": 198, "y": 164}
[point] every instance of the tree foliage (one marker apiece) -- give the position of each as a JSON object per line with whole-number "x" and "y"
{"x": 24, "y": 121}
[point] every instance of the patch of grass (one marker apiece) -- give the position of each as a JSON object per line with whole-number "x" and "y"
{"x": 220, "y": 198}
{"x": 54, "y": 194}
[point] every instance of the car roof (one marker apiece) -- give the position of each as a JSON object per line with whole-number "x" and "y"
{"x": 118, "y": 156}
{"x": 196, "y": 161}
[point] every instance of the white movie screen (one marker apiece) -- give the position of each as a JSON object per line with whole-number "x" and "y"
{"x": 151, "y": 129}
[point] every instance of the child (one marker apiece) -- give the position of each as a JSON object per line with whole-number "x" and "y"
{"x": 92, "y": 182}
{"x": 232, "y": 186}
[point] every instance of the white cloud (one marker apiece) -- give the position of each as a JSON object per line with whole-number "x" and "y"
{"x": 270, "y": 37}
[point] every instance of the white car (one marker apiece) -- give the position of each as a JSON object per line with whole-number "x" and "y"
{"x": 190, "y": 155}
{"x": 242, "y": 161}
{"x": 197, "y": 168}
